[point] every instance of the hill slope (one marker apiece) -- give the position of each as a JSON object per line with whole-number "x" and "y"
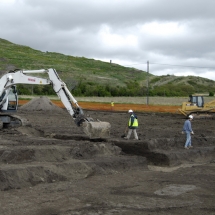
{"x": 75, "y": 69}
{"x": 16, "y": 56}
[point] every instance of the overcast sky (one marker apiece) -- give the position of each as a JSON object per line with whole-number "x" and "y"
{"x": 176, "y": 37}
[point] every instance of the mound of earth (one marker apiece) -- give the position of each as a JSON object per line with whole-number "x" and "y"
{"x": 42, "y": 103}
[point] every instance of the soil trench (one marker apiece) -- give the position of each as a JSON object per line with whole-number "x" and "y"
{"x": 50, "y": 167}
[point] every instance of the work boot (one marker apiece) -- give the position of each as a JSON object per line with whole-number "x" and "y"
{"x": 190, "y": 147}
{"x": 186, "y": 147}
{"x": 125, "y": 138}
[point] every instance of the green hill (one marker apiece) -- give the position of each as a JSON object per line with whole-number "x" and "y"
{"x": 77, "y": 68}
{"x": 93, "y": 75}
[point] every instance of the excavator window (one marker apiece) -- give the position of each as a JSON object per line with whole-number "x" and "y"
{"x": 200, "y": 102}
{"x": 12, "y": 99}
{"x": 2, "y": 96}
{"x": 194, "y": 99}
{"x": 197, "y": 100}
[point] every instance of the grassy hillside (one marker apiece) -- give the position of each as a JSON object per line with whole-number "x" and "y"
{"x": 69, "y": 67}
{"x": 190, "y": 80}
{"x": 73, "y": 69}
{"x": 192, "y": 84}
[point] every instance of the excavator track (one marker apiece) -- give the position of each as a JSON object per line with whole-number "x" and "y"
{"x": 206, "y": 115}
{"x": 11, "y": 121}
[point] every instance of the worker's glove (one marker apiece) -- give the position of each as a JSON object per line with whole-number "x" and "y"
{"x": 192, "y": 132}
{"x": 182, "y": 132}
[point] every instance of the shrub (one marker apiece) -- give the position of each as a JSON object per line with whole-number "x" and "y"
{"x": 211, "y": 94}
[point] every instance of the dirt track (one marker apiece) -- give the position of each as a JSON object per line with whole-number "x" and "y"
{"x": 52, "y": 168}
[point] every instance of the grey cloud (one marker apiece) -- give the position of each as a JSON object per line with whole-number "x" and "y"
{"x": 74, "y": 27}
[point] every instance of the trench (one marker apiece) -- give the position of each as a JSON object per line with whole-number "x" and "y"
{"x": 58, "y": 157}
{"x": 37, "y": 159}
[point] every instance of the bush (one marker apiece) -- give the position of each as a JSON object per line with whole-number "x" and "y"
{"x": 211, "y": 94}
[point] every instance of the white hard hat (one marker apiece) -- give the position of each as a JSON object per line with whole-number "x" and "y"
{"x": 190, "y": 117}
{"x": 130, "y": 111}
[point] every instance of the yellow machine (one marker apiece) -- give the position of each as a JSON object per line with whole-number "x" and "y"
{"x": 197, "y": 107}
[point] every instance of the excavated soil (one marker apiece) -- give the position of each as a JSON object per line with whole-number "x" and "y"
{"x": 49, "y": 167}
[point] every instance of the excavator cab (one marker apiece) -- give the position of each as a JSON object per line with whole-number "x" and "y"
{"x": 196, "y": 100}
{"x": 12, "y": 99}
{"x": 9, "y": 100}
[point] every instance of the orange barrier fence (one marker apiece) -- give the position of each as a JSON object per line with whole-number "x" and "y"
{"x": 118, "y": 107}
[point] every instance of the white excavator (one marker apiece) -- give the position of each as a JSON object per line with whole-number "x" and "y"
{"x": 9, "y": 101}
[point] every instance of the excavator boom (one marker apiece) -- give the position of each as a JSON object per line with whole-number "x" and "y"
{"x": 94, "y": 129}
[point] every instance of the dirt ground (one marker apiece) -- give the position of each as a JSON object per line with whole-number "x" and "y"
{"x": 49, "y": 167}
{"x": 119, "y": 107}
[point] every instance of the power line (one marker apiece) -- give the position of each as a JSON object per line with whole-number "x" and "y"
{"x": 205, "y": 67}
{"x": 202, "y": 67}
{"x": 161, "y": 64}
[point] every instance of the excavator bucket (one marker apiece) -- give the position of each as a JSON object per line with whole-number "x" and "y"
{"x": 96, "y": 129}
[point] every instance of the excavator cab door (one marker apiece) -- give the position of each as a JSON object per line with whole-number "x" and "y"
{"x": 12, "y": 99}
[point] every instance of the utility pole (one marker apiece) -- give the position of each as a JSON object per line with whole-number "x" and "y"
{"x": 147, "y": 102}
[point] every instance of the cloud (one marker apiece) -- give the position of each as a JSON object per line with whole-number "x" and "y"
{"x": 165, "y": 33}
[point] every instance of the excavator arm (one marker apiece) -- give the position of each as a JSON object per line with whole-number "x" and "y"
{"x": 94, "y": 129}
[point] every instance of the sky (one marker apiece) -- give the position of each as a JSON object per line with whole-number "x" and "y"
{"x": 175, "y": 37}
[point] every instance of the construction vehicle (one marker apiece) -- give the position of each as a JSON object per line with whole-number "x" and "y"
{"x": 198, "y": 108}
{"x": 9, "y": 101}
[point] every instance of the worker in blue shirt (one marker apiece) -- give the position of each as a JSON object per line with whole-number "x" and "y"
{"x": 187, "y": 129}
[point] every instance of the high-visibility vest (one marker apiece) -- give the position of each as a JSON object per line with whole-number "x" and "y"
{"x": 135, "y": 123}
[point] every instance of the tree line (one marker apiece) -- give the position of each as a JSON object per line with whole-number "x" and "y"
{"x": 130, "y": 89}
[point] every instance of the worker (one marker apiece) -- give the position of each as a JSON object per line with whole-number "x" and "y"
{"x": 187, "y": 129}
{"x": 112, "y": 105}
{"x": 132, "y": 125}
